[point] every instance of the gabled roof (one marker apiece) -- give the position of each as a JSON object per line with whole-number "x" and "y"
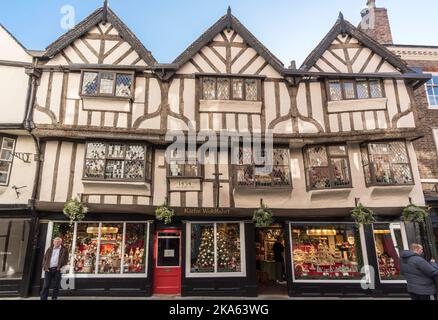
{"x": 103, "y": 14}
{"x": 13, "y": 37}
{"x": 231, "y": 22}
{"x": 342, "y": 26}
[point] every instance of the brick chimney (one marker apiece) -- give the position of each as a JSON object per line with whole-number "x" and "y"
{"x": 375, "y": 23}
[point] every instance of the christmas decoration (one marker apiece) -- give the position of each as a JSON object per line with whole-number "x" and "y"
{"x": 413, "y": 213}
{"x": 164, "y": 214}
{"x": 362, "y": 214}
{"x": 75, "y": 210}
{"x": 205, "y": 260}
{"x": 263, "y": 216}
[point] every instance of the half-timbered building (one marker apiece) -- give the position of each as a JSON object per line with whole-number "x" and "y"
{"x": 342, "y": 128}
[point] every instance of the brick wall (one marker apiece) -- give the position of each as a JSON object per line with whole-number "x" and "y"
{"x": 376, "y": 24}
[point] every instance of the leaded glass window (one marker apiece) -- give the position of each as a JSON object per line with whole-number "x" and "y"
{"x": 223, "y": 89}
{"x": 349, "y": 90}
{"x": 362, "y": 89}
{"x": 106, "y": 83}
{"x": 386, "y": 163}
{"x": 251, "y": 90}
{"x": 123, "y": 85}
{"x": 376, "y": 90}
{"x": 183, "y": 166}
{"x": 335, "y": 90}
{"x": 220, "y": 88}
{"x": 89, "y": 83}
{"x": 237, "y": 89}
{"x": 116, "y": 161}
{"x": 355, "y": 89}
{"x": 327, "y": 167}
{"x": 209, "y": 88}
{"x": 7, "y": 147}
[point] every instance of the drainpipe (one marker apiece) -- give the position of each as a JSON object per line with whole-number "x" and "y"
{"x": 34, "y": 75}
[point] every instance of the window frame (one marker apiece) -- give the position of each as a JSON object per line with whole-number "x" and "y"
{"x": 11, "y": 162}
{"x": 215, "y": 274}
{"x": 426, "y": 87}
{"x": 94, "y": 275}
{"x": 236, "y": 168}
{"x": 146, "y": 170}
{"x": 329, "y": 158}
{"x": 200, "y": 171}
{"x": 106, "y": 95}
{"x": 375, "y": 184}
{"x": 231, "y": 79}
{"x": 355, "y": 84}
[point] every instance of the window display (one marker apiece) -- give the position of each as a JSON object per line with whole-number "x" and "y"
{"x": 329, "y": 252}
{"x": 116, "y": 242}
{"x": 7, "y": 146}
{"x": 389, "y": 243}
{"x": 215, "y": 248}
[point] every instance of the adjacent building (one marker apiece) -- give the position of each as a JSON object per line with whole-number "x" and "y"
{"x": 102, "y": 109}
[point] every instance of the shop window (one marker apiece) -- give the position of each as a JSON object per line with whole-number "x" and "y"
{"x": 103, "y": 248}
{"x": 258, "y": 168}
{"x": 185, "y": 165}
{"x": 220, "y": 88}
{"x": 216, "y": 248}
{"x": 355, "y": 89}
{"x": 118, "y": 161}
{"x": 327, "y": 167}
{"x": 7, "y": 147}
{"x": 386, "y": 163}
{"x": 107, "y": 84}
{"x": 326, "y": 252}
{"x": 432, "y": 91}
{"x": 14, "y": 236}
{"x": 389, "y": 243}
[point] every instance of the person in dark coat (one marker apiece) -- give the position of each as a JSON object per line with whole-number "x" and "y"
{"x": 278, "y": 249}
{"x": 419, "y": 273}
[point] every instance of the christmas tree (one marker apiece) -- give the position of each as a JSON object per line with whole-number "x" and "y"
{"x": 225, "y": 258}
{"x": 205, "y": 259}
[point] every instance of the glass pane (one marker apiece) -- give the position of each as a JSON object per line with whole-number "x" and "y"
{"x": 96, "y": 150}
{"x": 168, "y": 254}
{"x": 94, "y": 168}
{"x": 376, "y": 89}
{"x": 209, "y": 88}
{"x": 280, "y": 157}
{"x": 362, "y": 89}
{"x": 387, "y": 253}
{"x": 349, "y": 90}
{"x": 114, "y": 169}
{"x": 245, "y": 176}
{"x": 317, "y": 157}
{"x": 335, "y": 90}
{"x": 89, "y": 84}
{"x": 341, "y": 173}
{"x": 223, "y": 89}
{"x": 13, "y": 246}
{"x": 401, "y": 174}
{"x": 4, "y": 166}
{"x": 326, "y": 252}
{"x": 134, "y": 170}
{"x": 3, "y": 177}
{"x": 8, "y": 143}
{"x": 228, "y": 247}
{"x": 110, "y": 253}
{"x": 116, "y": 151}
{"x": 135, "y": 152}
{"x": 6, "y": 155}
{"x": 123, "y": 85}
{"x": 398, "y": 152}
{"x": 237, "y": 89}
{"x": 251, "y": 90}
{"x": 337, "y": 150}
{"x": 106, "y": 83}
{"x": 135, "y": 248}
{"x": 86, "y": 247}
{"x": 65, "y": 232}
{"x": 435, "y": 80}
{"x": 201, "y": 248}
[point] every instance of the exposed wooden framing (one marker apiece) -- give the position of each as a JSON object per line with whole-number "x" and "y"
{"x": 146, "y": 96}
{"x": 102, "y": 118}
{"x": 123, "y": 56}
{"x": 263, "y": 66}
{"x": 334, "y": 54}
{"x": 277, "y": 100}
{"x": 367, "y": 62}
{"x": 324, "y": 98}
{"x": 376, "y": 120}
{"x": 318, "y": 68}
{"x": 136, "y": 61}
{"x": 101, "y": 55}
{"x": 72, "y": 171}
{"x": 309, "y": 100}
{"x": 110, "y": 51}
{"x": 211, "y": 64}
{"x": 49, "y": 91}
{"x": 89, "y": 115}
{"x": 358, "y": 52}
{"x": 90, "y": 47}
{"x": 108, "y": 37}
{"x": 330, "y": 65}
{"x": 238, "y": 55}
{"x": 348, "y": 61}
{"x": 345, "y": 46}
{"x": 249, "y": 63}
{"x": 364, "y": 123}
{"x": 379, "y": 66}
{"x": 397, "y": 96}
{"x": 116, "y": 119}
{"x": 79, "y": 53}
{"x": 352, "y": 127}
{"x": 226, "y": 44}
{"x": 63, "y": 102}
{"x": 76, "y": 113}
{"x": 340, "y": 126}
{"x": 66, "y": 57}
{"x": 193, "y": 62}
{"x": 55, "y": 171}
{"x": 218, "y": 55}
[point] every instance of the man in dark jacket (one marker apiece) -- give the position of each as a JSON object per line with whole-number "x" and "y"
{"x": 55, "y": 259}
{"x": 419, "y": 273}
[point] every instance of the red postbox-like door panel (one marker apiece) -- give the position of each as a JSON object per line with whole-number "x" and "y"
{"x": 167, "y": 262}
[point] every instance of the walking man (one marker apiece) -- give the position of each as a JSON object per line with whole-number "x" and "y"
{"x": 419, "y": 273}
{"x": 278, "y": 249}
{"x": 55, "y": 259}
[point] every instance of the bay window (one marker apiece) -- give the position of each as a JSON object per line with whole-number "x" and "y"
{"x": 184, "y": 166}
{"x": 118, "y": 161}
{"x": 272, "y": 171}
{"x": 324, "y": 252}
{"x": 107, "y": 84}
{"x": 7, "y": 147}
{"x": 215, "y": 248}
{"x": 327, "y": 167}
{"x": 230, "y": 88}
{"x": 386, "y": 163}
{"x": 100, "y": 249}
{"x": 355, "y": 89}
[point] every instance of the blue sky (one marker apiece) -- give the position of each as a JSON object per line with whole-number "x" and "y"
{"x": 289, "y": 28}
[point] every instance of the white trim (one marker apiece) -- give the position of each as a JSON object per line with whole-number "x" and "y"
{"x": 156, "y": 266}
{"x": 430, "y": 106}
{"x": 429, "y": 180}
{"x": 294, "y": 280}
{"x": 216, "y": 274}
{"x": 339, "y": 106}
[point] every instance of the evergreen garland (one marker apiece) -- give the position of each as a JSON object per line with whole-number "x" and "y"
{"x": 362, "y": 214}
{"x": 413, "y": 213}
{"x": 164, "y": 214}
{"x": 75, "y": 210}
{"x": 263, "y": 216}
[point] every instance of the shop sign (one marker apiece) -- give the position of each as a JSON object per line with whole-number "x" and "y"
{"x": 207, "y": 211}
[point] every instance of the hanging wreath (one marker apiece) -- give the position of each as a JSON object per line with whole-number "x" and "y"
{"x": 75, "y": 210}
{"x": 164, "y": 214}
{"x": 263, "y": 216}
{"x": 362, "y": 214}
{"x": 413, "y": 213}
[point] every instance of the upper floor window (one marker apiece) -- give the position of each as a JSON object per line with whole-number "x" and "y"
{"x": 107, "y": 84}
{"x": 261, "y": 174}
{"x": 185, "y": 166}
{"x": 7, "y": 147}
{"x": 355, "y": 89}
{"x": 386, "y": 163}
{"x": 432, "y": 91}
{"x": 118, "y": 161}
{"x": 217, "y": 88}
{"x": 327, "y": 167}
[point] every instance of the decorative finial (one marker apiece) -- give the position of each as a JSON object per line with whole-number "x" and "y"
{"x": 341, "y": 16}
{"x": 229, "y": 19}
{"x": 105, "y": 11}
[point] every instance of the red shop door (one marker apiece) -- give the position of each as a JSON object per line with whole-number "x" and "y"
{"x": 167, "y": 262}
